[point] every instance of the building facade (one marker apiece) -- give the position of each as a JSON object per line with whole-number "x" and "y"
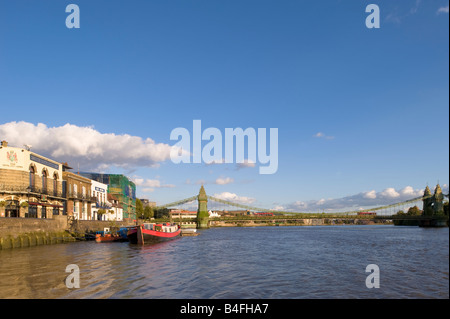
{"x": 78, "y": 194}
{"x": 30, "y": 184}
{"x": 116, "y": 210}
{"x": 122, "y": 188}
{"x": 100, "y": 193}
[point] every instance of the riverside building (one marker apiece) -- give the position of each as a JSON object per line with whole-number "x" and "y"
{"x": 101, "y": 204}
{"x": 78, "y": 195}
{"x": 122, "y": 188}
{"x": 31, "y": 185}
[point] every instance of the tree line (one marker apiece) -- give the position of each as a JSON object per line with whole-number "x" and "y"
{"x": 147, "y": 212}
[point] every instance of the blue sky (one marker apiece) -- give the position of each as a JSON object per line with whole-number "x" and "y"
{"x": 358, "y": 110}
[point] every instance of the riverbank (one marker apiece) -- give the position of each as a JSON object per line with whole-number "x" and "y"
{"x": 297, "y": 222}
{"x": 26, "y": 232}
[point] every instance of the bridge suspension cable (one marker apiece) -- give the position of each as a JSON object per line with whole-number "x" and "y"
{"x": 252, "y": 208}
{"x": 180, "y": 202}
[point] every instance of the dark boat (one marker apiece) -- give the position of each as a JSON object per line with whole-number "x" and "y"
{"x": 152, "y": 233}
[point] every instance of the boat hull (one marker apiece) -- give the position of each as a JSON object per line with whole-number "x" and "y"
{"x": 107, "y": 238}
{"x": 139, "y": 235}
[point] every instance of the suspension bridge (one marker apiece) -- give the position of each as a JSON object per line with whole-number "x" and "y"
{"x": 432, "y": 212}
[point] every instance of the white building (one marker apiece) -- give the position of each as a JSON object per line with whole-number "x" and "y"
{"x": 100, "y": 192}
{"x": 116, "y": 210}
{"x": 213, "y": 214}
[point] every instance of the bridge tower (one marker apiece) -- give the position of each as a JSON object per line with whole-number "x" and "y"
{"x": 438, "y": 201}
{"x": 427, "y": 202}
{"x": 202, "y": 212}
{"x": 433, "y": 204}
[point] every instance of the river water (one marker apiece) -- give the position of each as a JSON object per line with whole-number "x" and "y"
{"x": 241, "y": 262}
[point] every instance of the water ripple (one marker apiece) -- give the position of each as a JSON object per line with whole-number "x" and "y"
{"x": 238, "y": 263}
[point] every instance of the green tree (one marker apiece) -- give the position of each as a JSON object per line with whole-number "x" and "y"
{"x": 414, "y": 211}
{"x": 148, "y": 212}
{"x": 161, "y": 213}
{"x": 139, "y": 208}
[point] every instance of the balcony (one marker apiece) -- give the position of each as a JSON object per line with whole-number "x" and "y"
{"x": 81, "y": 196}
{"x": 30, "y": 190}
{"x": 102, "y": 205}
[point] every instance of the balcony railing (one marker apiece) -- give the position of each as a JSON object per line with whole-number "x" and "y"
{"x": 102, "y": 205}
{"x": 30, "y": 190}
{"x": 78, "y": 195}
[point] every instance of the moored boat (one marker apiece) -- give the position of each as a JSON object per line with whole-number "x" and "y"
{"x": 153, "y": 232}
{"x": 189, "y": 232}
{"x": 107, "y": 237}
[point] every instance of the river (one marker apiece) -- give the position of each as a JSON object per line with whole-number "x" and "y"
{"x": 240, "y": 262}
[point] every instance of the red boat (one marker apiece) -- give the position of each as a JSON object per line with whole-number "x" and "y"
{"x": 152, "y": 232}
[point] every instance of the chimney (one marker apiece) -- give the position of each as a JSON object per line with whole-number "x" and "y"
{"x": 4, "y": 144}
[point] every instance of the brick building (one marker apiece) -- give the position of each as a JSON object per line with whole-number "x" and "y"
{"x": 78, "y": 193}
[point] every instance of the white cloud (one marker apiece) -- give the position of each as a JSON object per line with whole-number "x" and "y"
{"x": 371, "y": 194}
{"x": 414, "y": 9}
{"x": 320, "y": 202}
{"x": 409, "y": 191}
{"x": 86, "y": 146}
{"x": 150, "y": 183}
{"x": 397, "y": 17}
{"x": 232, "y": 197}
{"x": 442, "y": 10}
{"x": 246, "y": 163}
{"x": 221, "y": 161}
{"x": 390, "y": 193}
{"x": 359, "y": 201}
{"x": 224, "y": 181}
{"x": 322, "y": 135}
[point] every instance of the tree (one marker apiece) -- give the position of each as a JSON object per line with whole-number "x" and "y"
{"x": 161, "y": 213}
{"x": 414, "y": 211}
{"x": 139, "y": 208}
{"x": 148, "y": 212}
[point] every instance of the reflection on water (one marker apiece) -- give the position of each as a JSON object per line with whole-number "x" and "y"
{"x": 259, "y": 262}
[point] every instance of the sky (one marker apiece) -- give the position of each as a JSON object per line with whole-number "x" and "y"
{"x": 362, "y": 113}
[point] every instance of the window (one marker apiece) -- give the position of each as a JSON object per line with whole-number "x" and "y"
{"x": 44, "y": 181}
{"x": 55, "y": 184}
{"x": 32, "y": 176}
{"x": 32, "y": 211}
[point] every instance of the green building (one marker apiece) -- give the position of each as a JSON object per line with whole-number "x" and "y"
{"x": 122, "y": 188}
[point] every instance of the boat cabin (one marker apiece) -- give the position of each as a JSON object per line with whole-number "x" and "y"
{"x": 164, "y": 227}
